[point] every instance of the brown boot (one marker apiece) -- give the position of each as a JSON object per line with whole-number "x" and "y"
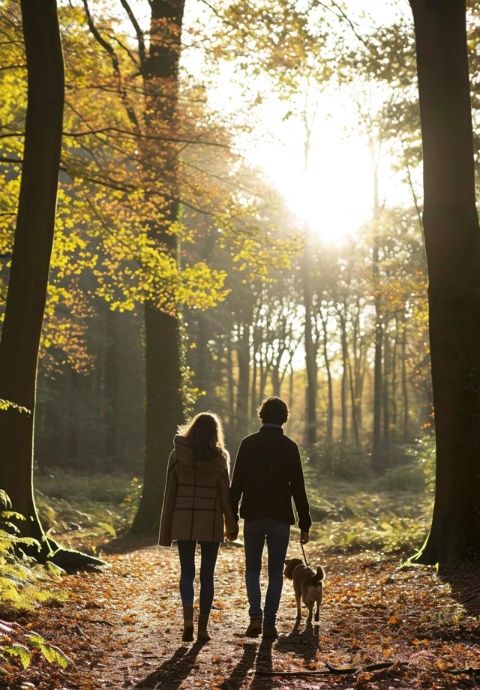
{"x": 187, "y": 624}
{"x": 254, "y": 627}
{"x": 269, "y": 631}
{"x": 202, "y": 634}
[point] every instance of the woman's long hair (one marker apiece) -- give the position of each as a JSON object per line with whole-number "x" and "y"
{"x": 204, "y": 433}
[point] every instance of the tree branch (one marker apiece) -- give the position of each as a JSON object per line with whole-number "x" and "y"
{"x": 108, "y": 48}
{"x": 138, "y": 30}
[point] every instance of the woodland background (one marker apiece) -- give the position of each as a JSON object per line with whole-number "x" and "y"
{"x": 184, "y": 277}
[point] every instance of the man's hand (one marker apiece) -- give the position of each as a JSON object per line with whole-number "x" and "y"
{"x": 231, "y": 536}
{"x": 304, "y": 537}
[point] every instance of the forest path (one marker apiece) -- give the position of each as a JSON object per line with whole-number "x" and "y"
{"x": 123, "y": 627}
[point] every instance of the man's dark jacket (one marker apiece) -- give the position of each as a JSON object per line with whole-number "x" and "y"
{"x": 268, "y": 473}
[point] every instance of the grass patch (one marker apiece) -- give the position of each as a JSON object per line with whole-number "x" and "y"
{"x": 390, "y": 514}
{"x": 371, "y": 514}
{"x": 86, "y": 509}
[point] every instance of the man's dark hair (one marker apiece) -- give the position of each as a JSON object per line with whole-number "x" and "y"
{"x": 273, "y": 411}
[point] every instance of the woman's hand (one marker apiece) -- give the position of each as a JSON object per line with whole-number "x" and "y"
{"x": 231, "y": 536}
{"x": 304, "y": 537}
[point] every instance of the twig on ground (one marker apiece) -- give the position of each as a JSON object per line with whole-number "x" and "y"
{"x": 332, "y": 670}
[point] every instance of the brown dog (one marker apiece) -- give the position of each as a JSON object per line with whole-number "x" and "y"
{"x": 308, "y": 585}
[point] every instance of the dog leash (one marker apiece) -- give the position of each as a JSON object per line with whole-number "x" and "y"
{"x": 304, "y": 557}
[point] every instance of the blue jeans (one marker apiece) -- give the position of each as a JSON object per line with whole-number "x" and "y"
{"x": 186, "y": 552}
{"x": 276, "y": 534}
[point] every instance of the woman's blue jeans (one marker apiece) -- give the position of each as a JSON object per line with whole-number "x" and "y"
{"x": 186, "y": 552}
{"x": 276, "y": 534}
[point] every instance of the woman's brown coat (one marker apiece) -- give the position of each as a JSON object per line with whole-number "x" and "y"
{"x": 197, "y": 497}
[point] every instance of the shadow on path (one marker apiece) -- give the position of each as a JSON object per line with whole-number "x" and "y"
{"x": 128, "y": 543}
{"x": 464, "y": 581}
{"x": 302, "y": 642}
{"x": 172, "y": 672}
{"x": 263, "y": 663}
{"x": 238, "y": 674}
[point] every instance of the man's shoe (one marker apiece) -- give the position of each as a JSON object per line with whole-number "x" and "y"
{"x": 269, "y": 631}
{"x": 254, "y": 627}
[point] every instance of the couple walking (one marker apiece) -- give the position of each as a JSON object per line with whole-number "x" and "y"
{"x": 199, "y": 501}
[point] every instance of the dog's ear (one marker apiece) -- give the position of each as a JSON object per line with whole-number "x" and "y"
{"x": 287, "y": 561}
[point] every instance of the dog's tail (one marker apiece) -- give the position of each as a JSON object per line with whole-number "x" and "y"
{"x": 319, "y": 576}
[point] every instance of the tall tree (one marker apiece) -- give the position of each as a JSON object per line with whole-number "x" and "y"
{"x": 164, "y": 401}
{"x": 452, "y": 239}
{"x": 28, "y": 280}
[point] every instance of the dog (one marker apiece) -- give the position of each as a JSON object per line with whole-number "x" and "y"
{"x": 308, "y": 586}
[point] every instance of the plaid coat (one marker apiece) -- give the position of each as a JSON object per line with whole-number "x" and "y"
{"x": 197, "y": 497}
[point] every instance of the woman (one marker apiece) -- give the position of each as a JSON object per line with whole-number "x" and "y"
{"x": 195, "y": 505}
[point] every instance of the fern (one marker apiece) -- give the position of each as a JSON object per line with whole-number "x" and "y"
{"x": 21, "y": 589}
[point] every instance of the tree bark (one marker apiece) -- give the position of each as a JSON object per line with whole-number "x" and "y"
{"x": 111, "y": 384}
{"x": 330, "y": 408}
{"x": 405, "y": 394}
{"x": 163, "y": 356}
{"x": 377, "y": 450}
{"x": 452, "y": 239}
{"x": 386, "y": 379}
{"x": 28, "y": 281}
{"x": 243, "y": 388}
{"x": 344, "y": 382}
{"x": 310, "y": 353}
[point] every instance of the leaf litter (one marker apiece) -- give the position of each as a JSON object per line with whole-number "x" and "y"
{"x": 381, "y": 626}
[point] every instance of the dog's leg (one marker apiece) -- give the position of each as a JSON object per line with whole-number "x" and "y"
{"x": 317, "y": 612}
{"x": 310, "y": 614}
{"x": 298, "y": 598}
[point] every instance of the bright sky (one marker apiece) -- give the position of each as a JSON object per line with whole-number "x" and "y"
{"x": 334, "y": 196}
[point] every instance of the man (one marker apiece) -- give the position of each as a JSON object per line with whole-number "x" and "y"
{"x": 267, "y": 474}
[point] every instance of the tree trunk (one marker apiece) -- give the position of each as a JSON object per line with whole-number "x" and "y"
{"x": 291, "y": 388}
{"x": 163, "y": 356}
{"x": 377, "y": 450}
{"x": 243, "y": 359}
{"x": 230, "y": 383}
{"x": 353, "y": 402}
{"x": 405, "y": 396}
{"x": 344, "y": 382}
{"x": 330, "y": 409}
{"x": 387, "y": 375}
{"x": 452, "y": 238}
{"x": 275, "y": 375}
{"x": 27, "y": 287}
{"x": 310, "y": 354}
{"x": 253, "y": 392}
{"x": 393, "y": 383}
{"x": 111, "y": 384}
{"x": 28, "y": 281}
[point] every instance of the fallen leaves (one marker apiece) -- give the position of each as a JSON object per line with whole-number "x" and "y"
{"x": 405, "y": 620}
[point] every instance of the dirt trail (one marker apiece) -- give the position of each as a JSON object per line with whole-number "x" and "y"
{"x": 122, "y": 628}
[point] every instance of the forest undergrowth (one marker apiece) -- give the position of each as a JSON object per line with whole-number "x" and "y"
{"x": 120, "y": 628}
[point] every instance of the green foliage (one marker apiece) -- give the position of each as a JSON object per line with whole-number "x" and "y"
{"x": 391, "y": 535}
{"x": 425, "y": 452}
{"x": 50, "y": 652}
{"x": 20, "y": 645}
{"x": 22, "y": 587}
{"x": 9, "y": 405}
{"x": 21, "y": 578}
{"x": 390, "y": 514}
{"x": 98, "y": 506}
{"x": 341, "y": 460}
{"x": 408, "y": 477}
